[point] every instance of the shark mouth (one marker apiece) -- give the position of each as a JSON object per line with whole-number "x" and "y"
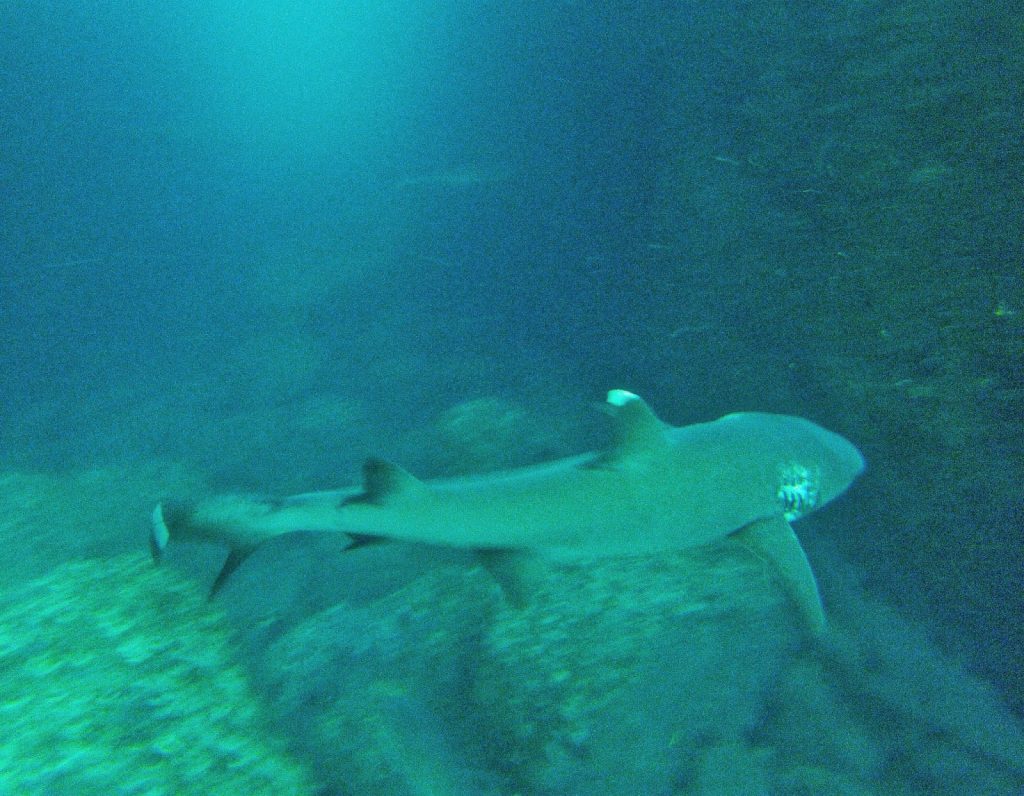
{"x": 798, "y": 490}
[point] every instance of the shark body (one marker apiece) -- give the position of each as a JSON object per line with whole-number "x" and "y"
{"x": 656, "y": 488}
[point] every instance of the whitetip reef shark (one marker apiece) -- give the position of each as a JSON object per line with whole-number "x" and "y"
{"x": 655, "y": 489}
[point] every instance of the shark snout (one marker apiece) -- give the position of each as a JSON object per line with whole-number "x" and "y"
{"x": 842, "y": 463}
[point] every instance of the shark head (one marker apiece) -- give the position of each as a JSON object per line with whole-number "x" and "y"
{"x": 819, "y": 466}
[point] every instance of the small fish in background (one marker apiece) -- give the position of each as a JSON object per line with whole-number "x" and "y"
{"x": 655, "y": 489}
{"x": 460, "y": 176}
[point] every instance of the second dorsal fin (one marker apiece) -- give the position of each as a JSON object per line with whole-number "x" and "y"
{"x": 384, "y": 482}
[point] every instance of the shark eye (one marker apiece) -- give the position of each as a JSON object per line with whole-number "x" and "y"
{"x": 798, "y": 490}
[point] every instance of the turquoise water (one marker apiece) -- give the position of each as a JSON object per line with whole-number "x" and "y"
{"x": 246, "y": 246}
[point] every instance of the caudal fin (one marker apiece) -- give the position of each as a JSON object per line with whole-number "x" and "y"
{"x": 159, "y": 534}
{"x": 242, "y": 523}
{"x": 159, "y": 531}
{"x": 173, "y": 520}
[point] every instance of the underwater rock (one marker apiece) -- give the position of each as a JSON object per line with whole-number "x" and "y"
{"x": 818, "y": 743}
{"x": 880, "y": 710}
{"x": 731, "y": 768}
{"x": 661, "y": 675}
{"x": 621, "y": 673}
{"x": 487, "y": 434}
{"x": 948, "y": 728}
{"x": 116, "y": 677}
{"x": 49, "y": 519}
{"x": 379, "y": 696}
{"x": 615, "y": 679}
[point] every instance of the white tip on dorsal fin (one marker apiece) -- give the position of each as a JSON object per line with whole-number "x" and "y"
{"x": 637, "y": 429}
{"x": 384, "y": 482}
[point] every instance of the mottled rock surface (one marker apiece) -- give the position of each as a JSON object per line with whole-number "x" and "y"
{"x": 116, "y": 677}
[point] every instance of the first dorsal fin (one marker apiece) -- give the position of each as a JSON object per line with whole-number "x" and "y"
{"x": 637, "y": 429}
{"x": 637, "y": 432}
{"x": 384, "y": 482}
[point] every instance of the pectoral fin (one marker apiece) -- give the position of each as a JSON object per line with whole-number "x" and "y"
{"x": 773, "y": 540}
{"x": 519, "y": 573}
